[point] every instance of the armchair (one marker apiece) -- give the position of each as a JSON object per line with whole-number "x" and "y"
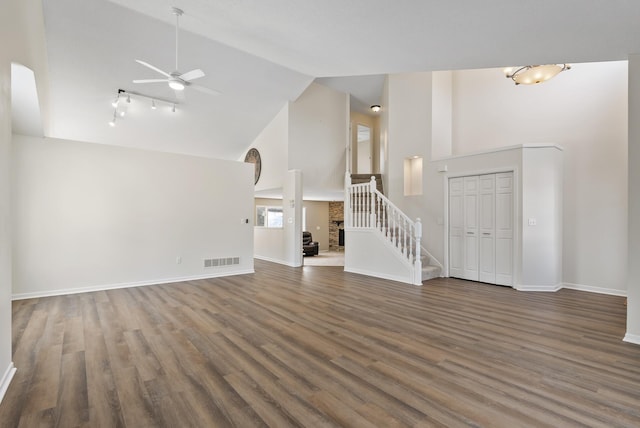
{"x": 309, "y": 247}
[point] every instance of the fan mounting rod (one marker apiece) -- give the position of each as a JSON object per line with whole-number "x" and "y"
{"x": 178, "y": 13}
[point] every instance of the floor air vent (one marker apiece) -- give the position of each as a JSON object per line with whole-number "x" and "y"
{"x": 225, "y": 261}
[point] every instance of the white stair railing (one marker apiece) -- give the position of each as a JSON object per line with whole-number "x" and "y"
{"x": 367, "y": 208}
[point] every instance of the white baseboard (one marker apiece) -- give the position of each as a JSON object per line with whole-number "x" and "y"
{"x": 632, "y": 338}
{"x": 406, "y": 280}
{"x": 103, "y": 287}
{"x": 543, "y": 288}
{"x": 592, "y": 289}
{"x": 6, "y": 380}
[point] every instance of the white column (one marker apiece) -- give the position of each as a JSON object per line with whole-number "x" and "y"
{"x": 292, "y": 211}
{"x": 633, "y": 278}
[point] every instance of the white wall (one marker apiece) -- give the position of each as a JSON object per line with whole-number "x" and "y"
{"x": 318, "y": 135}
{"x": 406, "y": 131}
{"x": 584, "y": 110}
{"x": 22, "y": 33}
{"x": 90, "y": 216}
{"x": 408, "y": 134}
{"x": 6, "y": 365}
{"x": 367, "y": 253}
{"x": 273, "y": 143}
{"x": 633, "y": 279}
{"x": 542, "y": 200}
{"x": 442, "y": 127}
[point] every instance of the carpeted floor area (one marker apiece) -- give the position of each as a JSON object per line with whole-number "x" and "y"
{"x": 325, "y": 258}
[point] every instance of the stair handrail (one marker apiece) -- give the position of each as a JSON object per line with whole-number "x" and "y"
{"x": 368, "y": 208}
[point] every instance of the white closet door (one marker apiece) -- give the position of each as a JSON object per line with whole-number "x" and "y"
{"x": 487, "y": 237}
{"x": 471, "y": 228}
{"x": 504, "y": 229}
{"x": 456, "y": 228}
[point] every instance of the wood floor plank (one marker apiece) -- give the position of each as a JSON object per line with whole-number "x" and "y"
{"x": 317, "y": 346}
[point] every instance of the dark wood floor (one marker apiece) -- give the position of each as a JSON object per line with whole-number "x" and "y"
{"x": 316, "y": 346}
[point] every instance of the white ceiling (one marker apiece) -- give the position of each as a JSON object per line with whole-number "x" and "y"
{"x": 261, "y": 54}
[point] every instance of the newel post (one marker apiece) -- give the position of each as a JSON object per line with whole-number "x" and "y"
{"x": 418, "y": 261}
{"x": 347, "y": 200}
{"x": 372, "y": 193}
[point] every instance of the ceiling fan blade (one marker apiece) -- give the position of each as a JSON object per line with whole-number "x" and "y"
{"x": 204, "y": 90}
{"x": 192, "y": 75}
{"x": 150, "y": 81}
{"x": 164, "y": 73}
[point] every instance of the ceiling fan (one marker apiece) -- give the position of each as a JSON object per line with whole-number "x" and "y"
{"x": 176, "y": 80}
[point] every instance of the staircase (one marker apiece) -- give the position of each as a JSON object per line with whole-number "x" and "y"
{"x": 431, "y": 268}
{"x": 368, "y": 210}
{"x": 366, "y": 178}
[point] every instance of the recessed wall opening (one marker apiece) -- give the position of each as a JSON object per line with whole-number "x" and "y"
{"x": 413, "y": 176}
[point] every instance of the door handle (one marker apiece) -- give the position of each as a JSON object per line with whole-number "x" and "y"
{"x": 486, "y": 233}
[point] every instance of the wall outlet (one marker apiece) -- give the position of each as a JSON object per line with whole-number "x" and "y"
{"x": 178, "y": 260}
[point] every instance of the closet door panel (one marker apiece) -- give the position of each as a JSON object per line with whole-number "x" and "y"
{"x": 504, "y": 228}
{"x": 471, "y": 244}
{"x": 486, "y": 220}
{"x": 456, "y": 228}
{"x": 481, "y": 228}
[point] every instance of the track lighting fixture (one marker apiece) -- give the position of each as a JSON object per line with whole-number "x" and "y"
{"x": 112, "y": 122}
{"x": 154, "y": 101}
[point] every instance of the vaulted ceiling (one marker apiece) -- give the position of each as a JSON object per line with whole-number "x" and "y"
{"x": 260, "y": 54}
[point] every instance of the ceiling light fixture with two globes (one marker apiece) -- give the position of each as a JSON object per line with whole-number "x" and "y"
{"x": 534, "y": 74}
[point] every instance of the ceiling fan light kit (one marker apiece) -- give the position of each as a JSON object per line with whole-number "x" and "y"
{"x": 176, "y": 84}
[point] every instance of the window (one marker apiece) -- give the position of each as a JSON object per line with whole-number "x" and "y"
{"x": 269, "y": 217}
